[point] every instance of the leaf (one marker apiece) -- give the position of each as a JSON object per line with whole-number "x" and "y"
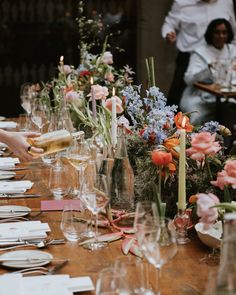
{"x": 134, "y": 249}
{"x": 227, "y": 206}
{"x": 104, "y": 238}
{"x": 126, "y": 245}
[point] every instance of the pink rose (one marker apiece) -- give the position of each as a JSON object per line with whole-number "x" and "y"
{"x": 203, "y": 144}
{"x": 107, "y": 58}
{"x": 119, "y": 108}
{"x": 100, "y": 92}
{"x": 204, "y": 203}
{"x": 226, "y": 176}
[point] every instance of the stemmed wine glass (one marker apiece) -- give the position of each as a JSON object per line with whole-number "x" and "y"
{"x": 95, "y": 197}
{"x": 157, "y": 240}
{"x": 39, "y": 114}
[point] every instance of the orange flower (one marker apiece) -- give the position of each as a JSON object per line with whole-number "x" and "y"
{"x": 192, "y": 199}
{"x": 161, "y": 158}
{"x": 179, "y": 118}
{"x": 171, "y": 142}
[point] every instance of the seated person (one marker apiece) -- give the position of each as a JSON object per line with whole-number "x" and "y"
{"x": 218, "y": 37}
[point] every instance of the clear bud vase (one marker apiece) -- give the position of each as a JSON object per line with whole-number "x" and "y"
{"x": 122, "y": 176}
{"x": 226, "y": 276}
{"x": 182, "y": 221}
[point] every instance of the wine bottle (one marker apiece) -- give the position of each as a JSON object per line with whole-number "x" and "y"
{"x": 54, "y": 141}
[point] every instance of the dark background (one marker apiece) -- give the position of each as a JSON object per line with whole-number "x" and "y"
{"x": 34, "y": 34}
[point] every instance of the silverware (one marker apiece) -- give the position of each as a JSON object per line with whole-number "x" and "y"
{"x": 42, "y": 270}
{"x": 13, "y": 196}
{"x": 39, "y": 245}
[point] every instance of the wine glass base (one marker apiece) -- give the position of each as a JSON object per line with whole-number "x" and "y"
{"x": 183, "y": 241}
{"x": 95, "y": 245}
{"x": 89, "y": 234}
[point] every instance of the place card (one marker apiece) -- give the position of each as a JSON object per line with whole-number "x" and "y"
{"x": 58, "y": 205}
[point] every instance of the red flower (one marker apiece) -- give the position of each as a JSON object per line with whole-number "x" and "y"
{"x": 161, "y": 158}
{"x": 84, "y": 73}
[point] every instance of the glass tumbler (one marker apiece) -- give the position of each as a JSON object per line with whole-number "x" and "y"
{"x": 58, "y": 184}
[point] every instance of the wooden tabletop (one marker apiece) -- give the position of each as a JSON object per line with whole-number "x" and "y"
{"x": 186, "y": 273}
{"x": 216, "y": 89}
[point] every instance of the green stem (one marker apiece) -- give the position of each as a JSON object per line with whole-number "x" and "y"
{"x": 208, "y": 168}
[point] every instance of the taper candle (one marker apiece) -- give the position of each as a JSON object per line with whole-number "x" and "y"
{"x": 61, "y": 64}
{"x": 113, "y": 119}
{"x": 182, "y": 172}
{"x": 94, "y": 105}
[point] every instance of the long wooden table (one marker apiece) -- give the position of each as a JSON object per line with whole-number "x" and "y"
{"x": 184, "y": 274}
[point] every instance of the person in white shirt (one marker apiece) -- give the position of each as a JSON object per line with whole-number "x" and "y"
{"x": 218, "y": 36}
{"x": 17, "y": 142}
{"x": 185, "y": 25}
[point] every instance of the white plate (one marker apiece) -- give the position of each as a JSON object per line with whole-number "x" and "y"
{"x": 8, "y": 211}
{"x": 2, "y": 118}
{"x": 6, "y": 175}
{"x": 30, "y": 254}
{"x": 211, "y": 236}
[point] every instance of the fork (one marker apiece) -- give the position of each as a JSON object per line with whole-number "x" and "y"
{"x": 39, "y": 245}
{"x": 42, "y": 270}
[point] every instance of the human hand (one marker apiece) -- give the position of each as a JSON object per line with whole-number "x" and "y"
{"x": 17, "y": 142}
{"x": 171, "y": 37}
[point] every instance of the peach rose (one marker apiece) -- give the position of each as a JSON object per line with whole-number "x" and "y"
{"x": 109, "y": 76}
{"x": 226, "y": 176}
{"x": 100, "y": 92}
{"x": 203, "y": 144}
{"x": 119, "y": 108}
{"x": 204, "y": 203}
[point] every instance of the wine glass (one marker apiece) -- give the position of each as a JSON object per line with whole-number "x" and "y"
{"x": 111, "y": 281}
{"x": 26, "y": 99}
{"x": 39, "y": 114}
{"x": 157, "y": 241}
{"x": 95, "y": 197}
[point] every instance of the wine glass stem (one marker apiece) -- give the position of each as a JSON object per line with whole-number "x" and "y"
{"x": 157, "y": 280}
{"x": 96, "y": 227}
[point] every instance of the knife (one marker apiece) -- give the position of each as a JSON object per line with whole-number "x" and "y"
{"x": 13, "y": 196}
{"x": 29, "y": 259}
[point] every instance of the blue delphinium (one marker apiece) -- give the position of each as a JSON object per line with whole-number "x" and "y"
{"x": 211, "y": 126}
{"x": 150, "y": 113}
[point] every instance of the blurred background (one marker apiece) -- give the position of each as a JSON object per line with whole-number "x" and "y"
{"x": 34, "y": 34}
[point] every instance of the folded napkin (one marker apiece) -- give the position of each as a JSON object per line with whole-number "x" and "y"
{"x": 16, "y": 284}
{"x": 7, "y": 124}
{"x": 8, "y": 162}
{"x": 23, "y": 230}
{"x": 15, "y": 187}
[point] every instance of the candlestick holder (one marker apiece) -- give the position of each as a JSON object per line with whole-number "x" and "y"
{"x": 182, "y": 221}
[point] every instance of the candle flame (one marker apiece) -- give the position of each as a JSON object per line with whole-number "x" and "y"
{"x": 184, "y": 122}
{"x": 113, "y": 91}
{"x": 62, "y": 58}
{"x": 91, "y": 80}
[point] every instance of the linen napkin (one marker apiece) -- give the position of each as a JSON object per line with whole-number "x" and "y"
{"x": 8, "y": 162}
{"x": 23, "y": 230}
{"x": 8, "y": 124}
{"x": 12, "y": 187}
{"x": 16, "y": 284}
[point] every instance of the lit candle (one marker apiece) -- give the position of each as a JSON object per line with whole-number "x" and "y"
{"x": 94, "y": 105}
{"x": 113, "y": 119}
{"x": 182, "y": 172}
{"x": 61, "y": 63}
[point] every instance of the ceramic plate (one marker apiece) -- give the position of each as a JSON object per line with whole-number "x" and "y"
{"x": 41, "y": 257}
{"x": 7, "y": 175}
{"x": 13, "y": 211}
{"x": 211, "y": 236}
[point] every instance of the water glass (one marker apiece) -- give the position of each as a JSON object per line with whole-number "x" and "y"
{"x": 73, "y": 224}
{"x": 58, "y": 184}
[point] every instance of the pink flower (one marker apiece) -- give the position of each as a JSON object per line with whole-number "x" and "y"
{"x": 67, "y": 69}
{"x": 119, "y": 108}
{"x": 204, "y": 203}
{"x": 72, "y": 96}
{"x": 109, "y": 76}
{"x": 226, "y": 176}
{"x": 100, "y": 92}
{"x": 203, "y": 144}
{"x": 107, "y": 58}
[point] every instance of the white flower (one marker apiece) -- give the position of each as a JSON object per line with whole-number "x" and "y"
{"x": 107, "y": 58}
